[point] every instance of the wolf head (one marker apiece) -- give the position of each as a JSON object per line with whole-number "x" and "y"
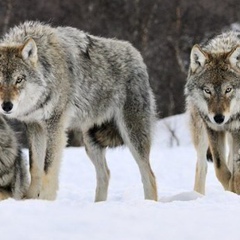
{"x": 213, "y": 84}
{"x": 19, "y": 77}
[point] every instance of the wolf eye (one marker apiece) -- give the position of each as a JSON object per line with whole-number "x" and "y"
{"x": 207, "y": 91}
{"x": 20, "y": 79}
{"x": 228, "y": 90}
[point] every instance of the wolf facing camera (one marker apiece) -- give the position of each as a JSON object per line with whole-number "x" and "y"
{"x": 213, "y": 102}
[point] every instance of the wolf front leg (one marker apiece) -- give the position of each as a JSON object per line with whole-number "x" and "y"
{"x": 56, "y": 141}
{"x": 218, "y": 146}
{"x": 234, "y": 148}
{"x": 200, "y": 141}
{"x": 37, "y": 150}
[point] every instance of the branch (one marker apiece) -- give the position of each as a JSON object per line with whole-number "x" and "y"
{"x": 173, "y": 135}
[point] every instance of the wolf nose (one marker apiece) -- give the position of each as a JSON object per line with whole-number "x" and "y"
{"x": 218, "y": 118}
{"x": 7, "y": 106}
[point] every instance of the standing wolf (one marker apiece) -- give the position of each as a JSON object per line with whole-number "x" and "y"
{"x": 54, "y": 79}
{"x": 14, "y": 179}
{"x": 213, "y": 100}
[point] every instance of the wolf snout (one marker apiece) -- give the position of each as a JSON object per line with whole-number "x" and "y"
{"x": 7, "y": 106}
{"x": 219, "y": 118}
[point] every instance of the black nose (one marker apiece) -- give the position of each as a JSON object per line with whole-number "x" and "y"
{"x": 7, "y": 106}
{"x": 218, "y": 118}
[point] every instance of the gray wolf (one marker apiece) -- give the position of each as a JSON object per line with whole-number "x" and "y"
{"x": 213, "y": 102}
{"x": 56, "y": 79}
{"x": 14, "y": 176}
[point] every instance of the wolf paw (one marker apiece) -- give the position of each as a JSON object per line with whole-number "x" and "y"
{"x": 49, "y": 188}
{"x": 33, "y": 192}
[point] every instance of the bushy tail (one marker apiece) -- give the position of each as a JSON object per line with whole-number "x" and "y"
{"x": 106, "y": 135}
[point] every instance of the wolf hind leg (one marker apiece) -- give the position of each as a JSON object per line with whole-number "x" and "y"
{"x": 136, "y": 133}
{"x": 96, "y": 153}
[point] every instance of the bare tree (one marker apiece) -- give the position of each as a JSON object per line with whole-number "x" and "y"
{"x": 173, "y": 138}
{"x": 163, "y": 30}
{"x": 8, "y": 12}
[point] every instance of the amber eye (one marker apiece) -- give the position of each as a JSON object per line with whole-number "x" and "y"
{"x": 228, "y": 90}
{"x": 207, "y": 91}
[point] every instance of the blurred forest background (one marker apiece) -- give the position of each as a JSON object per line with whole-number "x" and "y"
{"x": 162, "y": 30}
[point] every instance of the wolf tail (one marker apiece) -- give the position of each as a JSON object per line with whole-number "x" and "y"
{"x": 106, "y": 135}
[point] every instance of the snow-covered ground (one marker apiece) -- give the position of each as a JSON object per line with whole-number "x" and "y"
{"x": 180, "y": 213}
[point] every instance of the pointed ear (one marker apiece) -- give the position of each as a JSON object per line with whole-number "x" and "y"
{"x": 197, "y": 58}
{"x": 234, "y": 58}
{"x": 29, "y": 51}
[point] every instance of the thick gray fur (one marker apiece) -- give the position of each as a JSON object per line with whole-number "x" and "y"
{"x": 213, "y": 102}
{"x": 70, "y": 79}
{"x": 14, "y": 176}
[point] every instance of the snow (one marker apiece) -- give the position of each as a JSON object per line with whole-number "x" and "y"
{"x": 180, "y": 213}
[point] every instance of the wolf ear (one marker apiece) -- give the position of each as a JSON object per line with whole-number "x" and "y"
{"x": 197, "y": 58}
{"x": 29, "y": 51}
{"x": 234, "y": 58}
